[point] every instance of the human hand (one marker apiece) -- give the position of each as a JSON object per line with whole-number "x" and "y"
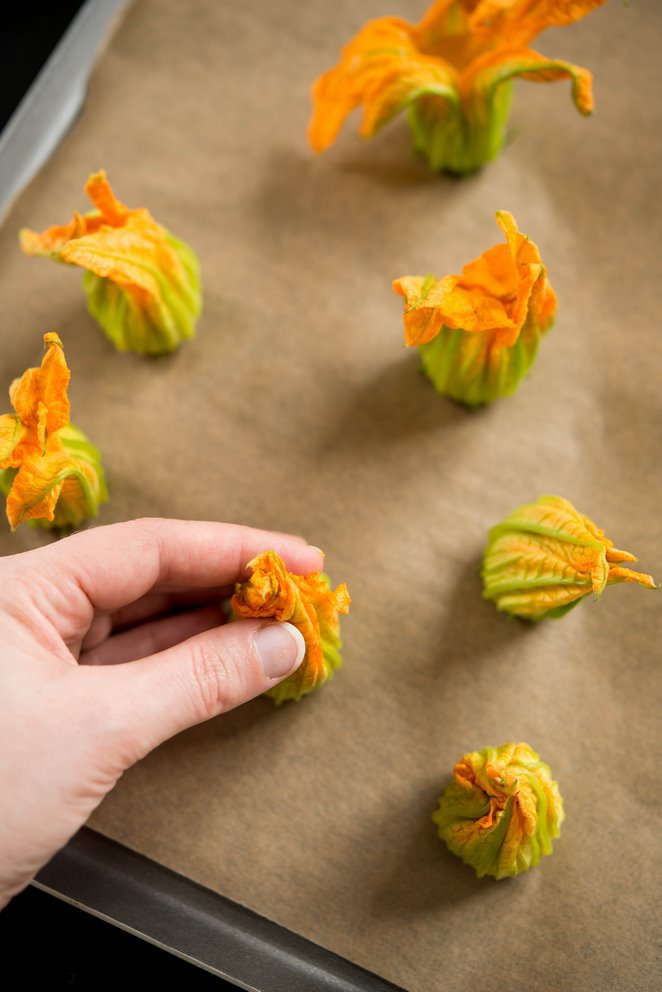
{"x": 96, "y": 669}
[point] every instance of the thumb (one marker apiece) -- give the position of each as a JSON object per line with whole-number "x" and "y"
{"x": 206, "y": 675}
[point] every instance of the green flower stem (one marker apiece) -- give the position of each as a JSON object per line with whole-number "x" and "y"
{"x": 460, "y": 138}
{"x": 461, "y": 364}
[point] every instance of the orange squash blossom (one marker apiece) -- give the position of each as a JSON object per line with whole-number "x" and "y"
{"x": 142, "y": 283}
{"x": 49, "y": 471}
{"x": 452, "y": 72}
{"x": 502, "y": 810}
{"x": 547, "y": 556}
{"x": 308, "y": 602}
{"x": 478, "y": 332}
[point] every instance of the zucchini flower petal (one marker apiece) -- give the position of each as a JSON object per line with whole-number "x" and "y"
{"x": 310, "y": 604}
{"x": 49, "y": 471}
{"x": 452, "y": 72}
{"x": 478, "y": 333}
{"x": 501, "y": 812}
{"x": 142, "y": 283}
{"x": 546, "y": 556}
{"x": 12, "y": 432}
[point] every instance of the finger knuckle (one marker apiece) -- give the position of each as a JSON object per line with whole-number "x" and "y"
{"x": 214, "y": 677}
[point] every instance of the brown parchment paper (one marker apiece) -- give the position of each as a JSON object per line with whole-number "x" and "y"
{"x": 298, "y": 407}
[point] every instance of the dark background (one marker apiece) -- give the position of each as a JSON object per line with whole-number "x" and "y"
{"x": 28, "y": 34}
{"x": 49, "y": 945}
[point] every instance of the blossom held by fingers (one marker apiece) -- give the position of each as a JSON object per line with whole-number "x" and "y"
{"x": 142, "y": 283}
{"x": 49, "y": 471}
{"x": 546, "y": 556}
{"x": 502, "y": 810}
{"x": 452, "y": 72}
{"x": 478, "y": 333}
{"x": 308, "y": 602}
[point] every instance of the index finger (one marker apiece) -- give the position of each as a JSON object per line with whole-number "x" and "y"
{"x": 117, "y": 564}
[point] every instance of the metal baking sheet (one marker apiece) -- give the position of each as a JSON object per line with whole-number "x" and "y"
{"x": 201, "y": 926}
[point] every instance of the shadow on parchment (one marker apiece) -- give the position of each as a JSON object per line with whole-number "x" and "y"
{"x": 398, "y": 401}
{"x": 403, "y": 170}
{"x": 399, "y": 172}
{"x": 471, "y": 627}
{"x": 466, "y": 644}
{"x": 419, "y": 874}
{"x": 262, "y": 711}
{"x": 239, "y": 722}
{"x": 389, "y": 159}
{"x": 337, "y": 200}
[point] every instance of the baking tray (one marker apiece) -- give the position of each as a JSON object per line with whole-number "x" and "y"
{"x": 398, "y": 484}
{"x": 54, "y": 99}
{"x": 110, "y": 881}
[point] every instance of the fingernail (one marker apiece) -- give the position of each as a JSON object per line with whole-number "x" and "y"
{"x": 280, "y": 648}
{"x": 313, "y": 547}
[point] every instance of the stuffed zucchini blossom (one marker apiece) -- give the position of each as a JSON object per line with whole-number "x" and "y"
{"x": 478, "y": 333}
{"x": 308, "y": 602}
{"x": 452, "y": 72}
{"x": 49, "y": 471}
{"x": 546, "y": 556}
{"x": 502, "y": 810}
{"x": 142, "y": 283}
